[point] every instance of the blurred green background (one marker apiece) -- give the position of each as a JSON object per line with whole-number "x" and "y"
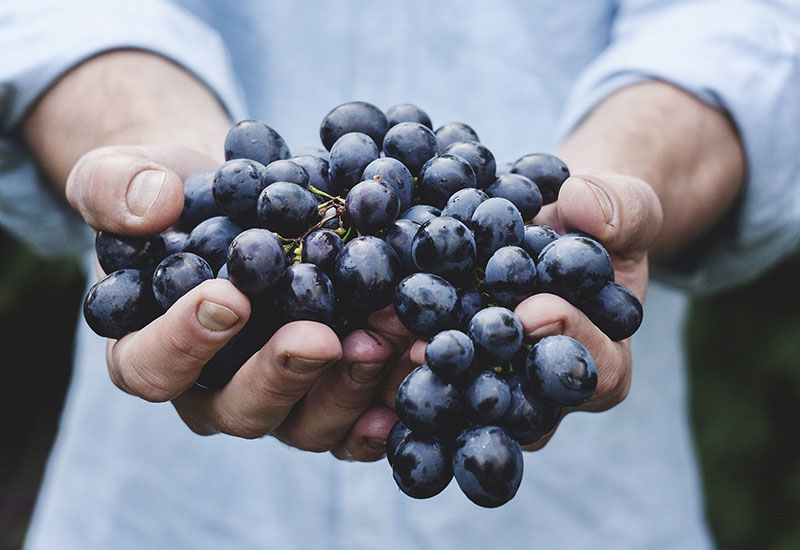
{"x": 744, "y": 350}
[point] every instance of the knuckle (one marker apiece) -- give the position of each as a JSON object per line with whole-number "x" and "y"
{"x": 238, "y": 426}
{"x": 146, "y": 385}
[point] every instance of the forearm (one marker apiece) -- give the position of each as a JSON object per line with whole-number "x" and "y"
{"x": 122, "y": 97}
{"x": 687, "y": 151}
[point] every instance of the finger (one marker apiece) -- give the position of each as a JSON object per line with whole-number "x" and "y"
{"x": 340, "y": 396}
{"x": 389, "y": 325}
{"x": 623, "y": 212}
{"x": 366, "y": 442}
{"x": 417, "y": 353}
{"x": 400, "y": 369}
{"x": 164, "y": 358}
{"x": 134, "y": 190}
{"x": 546, "y": 314}
{"x": 263, "y": 391}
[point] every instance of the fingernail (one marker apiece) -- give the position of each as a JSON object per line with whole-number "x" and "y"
{"x": 143, "y": 191}
{"x": 375, "y": 443}
{"x": 303, "y": 366}
{"x": 547, "y": 330}
{"x": 365, "y": 372}
{"x": 603, "y": 201}
{"x": 216, "y": 317}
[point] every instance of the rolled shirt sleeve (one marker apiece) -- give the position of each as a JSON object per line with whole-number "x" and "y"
{"x": 41, "y": 41}
{"x": 742, "y": 57}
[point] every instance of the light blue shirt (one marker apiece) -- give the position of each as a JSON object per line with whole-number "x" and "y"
{"x": 128, "y": 474}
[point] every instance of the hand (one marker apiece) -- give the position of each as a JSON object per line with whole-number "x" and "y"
{"x": 304, "y": 385}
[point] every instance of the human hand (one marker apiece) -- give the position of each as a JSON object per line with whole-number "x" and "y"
{"x": 304, "y": 385}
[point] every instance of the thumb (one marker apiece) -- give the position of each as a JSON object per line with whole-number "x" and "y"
{"x": 132, "y": 190}
{"x": 623, "y": 212}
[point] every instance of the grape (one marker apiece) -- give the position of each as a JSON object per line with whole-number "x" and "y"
{"x": 510, "y": 276}
{"x": 547, "y": 172}
{"x": 219, "y": 370}
{"x": 479, "y": 157}
{"x": 320, "y": 248}
{"x": 350, "y": 156}
{"x": 394, "y": 173}
{"x": 487, "y": 465}
{"x": 210, "y": 240}
{"x": 176, "y": 275}
{"x": 536, "y": 238}
{"x": 421, "y": 466}
{"x": 317, "y": 170}
{"x": 367, "y": 271}
{"x": 115, "y": 252}
{"x": 406, "y": 112}
{"x": 412, "y": 144}
{"x": 198, "y": 199}
{"x": 574, "y": 267}
{"x": 449, "y": 353}
{"x": 120, "y": 303}
{"x": 451, "y": 132}
{"x": 444, "y": 246}
{"x": 400, "y": 235}
{"x": 496, "y": 333}
{"x": 287, "y": 209}
{"x": 529, "y": 416}
{"x": 426, "y": 304}
{"x": 236, "y": 187}
{"x": 355, "y": 116}
{"x": 256, "y": 261}
{"x": 560, "y": 368}
{"x": 285, "y": 170}
{"x": 305, "y": 293}
{"x": 462, "y": 204}
{"x": 372, "y": 206}
{"x": 521, "y": 191}
{"x": 489, "y": 397}
{"x": 174, "y": 241}
{"x": 615, "y": 310}
{"x": 471, "y": 302}
{"x": 254, "y": 140}
{"x": 428, "y": 404}
{"x": 397, "y": 434}
{"x": 421, "y": 213}
{"x": 442, "y": 176}
{"x": 495, "y": 223}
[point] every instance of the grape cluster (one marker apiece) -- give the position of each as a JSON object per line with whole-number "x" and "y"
{"x": 390, "y": 212}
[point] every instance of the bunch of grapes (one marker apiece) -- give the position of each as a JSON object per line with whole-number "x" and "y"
{"x": 390, "y": 212}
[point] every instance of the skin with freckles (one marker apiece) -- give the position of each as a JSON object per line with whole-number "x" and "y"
{"x": 650, "y": 161}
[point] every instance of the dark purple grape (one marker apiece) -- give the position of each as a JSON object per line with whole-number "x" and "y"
{"x": 367, "y": 271}
{"x": 574, "y": 267}
{"x": 615, "y": 310}
{"x": 310, "y": 151}
{"x": 444, "y": 246}
{"x": 422, "y": 466}
{"x": 562, "y": 369}
{"x": 223, "y": 272}
{"x": 350, "y": 155}
{"x": 393, "y": 173}
{"x": 229, "y": 358}
{"x": 428, "y": 404}
{"x": 176, "y": 275}
{"x": 285, "y": 170}
{"x": 470, "y": 302}
{"x": 547, "y": 172}
{"x": 287, "y": 209}
{"x": 530, "y": 416}
{"x": 426, "y": 304}
{"x": 256, "y": 261}
{"x": 487, "y": 465}
{"x": 320, "y": 248}
{"x": 521, "y": 191}
{"x": 120, "y": 303}
{"x": 462, "y": 204}
{"x": 305, "y": 293}
{"x": 400, "y": 235}
{"x": 317, "y": 170}
{"x": 237, "y": 185}
{"x": 442, "y": 176}
{"x": 496, "y": 333}
{"x": 372, "y": 206}
{"x": 420, "y": 213}
{"x": 495, "y": 223}
{"x": 536, "y": 238}
{"x": 510, "y": 276}
{"x": 348, "y": 318}
{"x": 489, "y": 397}
{"x": 174, "y": 241}
{"x": 198, "y": 199}
{"x": 407, "y": 112}
{"x": 210, "y": 240}
{"x": 115, "y": 252}
{"x": 254, "y": 140}
{"x": 396, "y": 436}
{"x": 449, "y": 353}
{"x": 479, "y": 157}
{"x": 412, "y": 144}
{"x": 451, "y": 132}
{"x": 355, "y": 116}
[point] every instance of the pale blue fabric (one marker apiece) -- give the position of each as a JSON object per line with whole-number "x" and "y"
{"x": 127, "y": 474}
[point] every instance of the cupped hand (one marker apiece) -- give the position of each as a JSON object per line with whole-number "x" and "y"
{"x": 304, "y": 386}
